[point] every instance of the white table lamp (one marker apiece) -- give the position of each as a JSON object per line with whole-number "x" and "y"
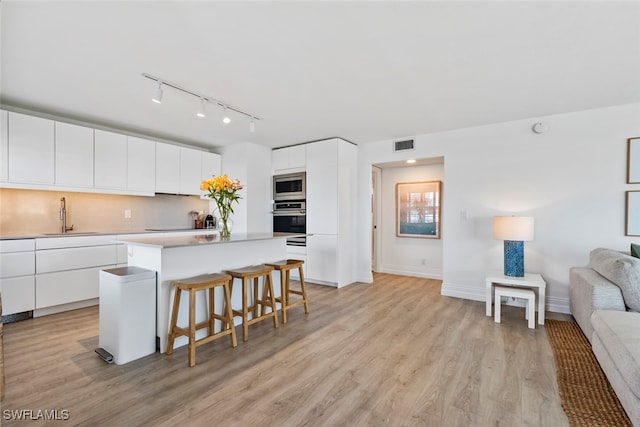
{"x": 514, "y": 230}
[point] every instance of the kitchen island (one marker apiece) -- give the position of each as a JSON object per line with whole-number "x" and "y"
{"x": 186, "y": 256}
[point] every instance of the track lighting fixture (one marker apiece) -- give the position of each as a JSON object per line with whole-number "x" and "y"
{"x": 201, "y": 111}
{"x": 158, "y": 97}
{"x": 203, "y": 100}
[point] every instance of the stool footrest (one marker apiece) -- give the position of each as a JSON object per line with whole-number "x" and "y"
{"x": 210, "y": 338}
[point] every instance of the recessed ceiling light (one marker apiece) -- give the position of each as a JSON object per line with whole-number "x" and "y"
{"x": 411, "y": 161}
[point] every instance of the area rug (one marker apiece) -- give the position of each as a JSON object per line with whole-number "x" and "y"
{"x": 586, "y": 395}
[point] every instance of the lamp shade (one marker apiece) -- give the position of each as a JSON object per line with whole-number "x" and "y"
{"x": 515, "y": 228}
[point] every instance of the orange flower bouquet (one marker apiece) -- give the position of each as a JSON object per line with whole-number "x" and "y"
{"x": 224, "y": 191}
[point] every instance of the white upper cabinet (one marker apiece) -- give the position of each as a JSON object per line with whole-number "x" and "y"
{"x": 4, "y": 145}
{"x": 178, "y": 169}
{"x": 167, "y": 168}
{"x": 141, "y": 165}
{"x": 31, "y": 149}
{"x": 211, "y": 166}
{"x": 322, "y": 187}
{"x": 110, "y": 161}
{"x": 37, "y": 153}
{"x": 73, "y": 155}
{"x": 279, "y": 159}
{"x": 190, "y": 171}
{"x": 283, "y": 159}
{"x": 297, "y": 156}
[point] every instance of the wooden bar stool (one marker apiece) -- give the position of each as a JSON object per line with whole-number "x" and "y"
{"x": 192, "y": 285}
{"x": 285, "y": 267}
{"x": 246, "y": 274}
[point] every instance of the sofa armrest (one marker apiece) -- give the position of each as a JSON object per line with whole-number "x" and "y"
{"x": 589, "y": 291}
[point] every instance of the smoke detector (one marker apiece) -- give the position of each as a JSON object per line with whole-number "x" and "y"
{"x": 539, "y": 127}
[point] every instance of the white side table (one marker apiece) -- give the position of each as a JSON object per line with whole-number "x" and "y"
{"x": 530, "y": 280}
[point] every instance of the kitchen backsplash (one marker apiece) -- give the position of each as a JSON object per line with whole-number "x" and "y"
{"x": 34, "y": 211}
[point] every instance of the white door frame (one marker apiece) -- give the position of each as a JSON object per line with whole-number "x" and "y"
{"x": 376, "y": 180}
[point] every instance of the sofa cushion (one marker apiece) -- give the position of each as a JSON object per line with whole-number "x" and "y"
{"x": 621, "y": 269}
{"x": 635, "y": 250}
{"x": 619, "y": 332}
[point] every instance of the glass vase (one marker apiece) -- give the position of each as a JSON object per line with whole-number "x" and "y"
{"x": 226, "y": 224}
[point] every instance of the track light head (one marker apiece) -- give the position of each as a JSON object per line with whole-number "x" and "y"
{"x": 158, "y": 96}
{"x": 226, "y": 120}
{"x": 252, "y": 126}
{"x": 200, "y": 112}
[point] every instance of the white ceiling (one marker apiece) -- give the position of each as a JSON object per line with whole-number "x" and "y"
{"x": 365, "y": 71}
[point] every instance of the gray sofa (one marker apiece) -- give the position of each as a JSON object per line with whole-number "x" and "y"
{"x": 605, "y": 301}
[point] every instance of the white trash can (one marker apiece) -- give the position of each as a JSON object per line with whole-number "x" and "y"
{"x": 127, "y": 313}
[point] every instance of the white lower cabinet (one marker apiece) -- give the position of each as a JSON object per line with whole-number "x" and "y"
{"x": 68, "y": 271}
{"x": 300, "y": 253}
{"x": 48, "y": 261}
{"x": 17, "y": 280}
{"x": 65, "y": 287}
{"x": 18, "y": 294}
{"x": 322, "y": 259}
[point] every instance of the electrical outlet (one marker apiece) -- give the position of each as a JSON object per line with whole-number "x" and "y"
{"x": 127, "y": 213}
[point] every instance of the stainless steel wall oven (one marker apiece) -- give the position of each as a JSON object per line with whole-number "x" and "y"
{"x": 291, "y": 217}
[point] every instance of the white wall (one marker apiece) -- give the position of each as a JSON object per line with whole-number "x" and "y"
{"x": 571, "y": 179}
{"x": 251, "y": 164}
{"x": 403, "y": 255}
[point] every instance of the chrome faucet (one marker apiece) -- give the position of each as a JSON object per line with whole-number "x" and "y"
{"x": 63, "y": 215}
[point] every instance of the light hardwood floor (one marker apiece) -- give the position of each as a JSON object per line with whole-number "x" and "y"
{"x": 394, "y": 353}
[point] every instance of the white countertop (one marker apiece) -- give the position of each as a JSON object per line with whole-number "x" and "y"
{"x": 150, "y": 231}
{"x": 202, "y": 239}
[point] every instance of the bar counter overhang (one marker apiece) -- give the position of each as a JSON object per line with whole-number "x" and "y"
{"x": 182, "y": 257}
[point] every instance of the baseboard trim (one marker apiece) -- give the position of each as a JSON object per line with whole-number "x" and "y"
{"x": 553, "y": 304}
{"x": 65, "y": 307}
{"x": 437, "y": 276}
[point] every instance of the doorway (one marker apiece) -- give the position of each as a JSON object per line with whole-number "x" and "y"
{"x": 390, "y": 253}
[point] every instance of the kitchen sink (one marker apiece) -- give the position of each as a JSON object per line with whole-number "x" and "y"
{"x": 71, "y": 233}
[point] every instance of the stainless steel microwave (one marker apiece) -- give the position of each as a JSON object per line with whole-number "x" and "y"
{"x": 291, "y": 186}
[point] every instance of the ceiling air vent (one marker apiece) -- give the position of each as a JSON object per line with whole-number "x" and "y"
{"x": 406, "y": 144}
